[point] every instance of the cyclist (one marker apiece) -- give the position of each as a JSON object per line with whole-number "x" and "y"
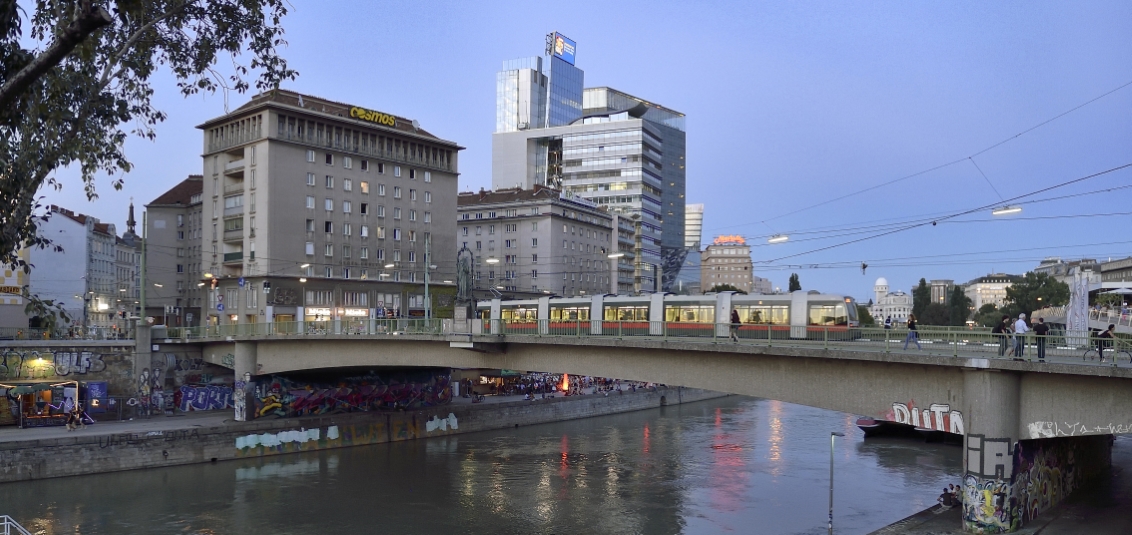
{"x": 1104, "y": 340}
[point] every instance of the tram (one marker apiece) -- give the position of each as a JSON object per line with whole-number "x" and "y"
{"x": 795, "y": 315}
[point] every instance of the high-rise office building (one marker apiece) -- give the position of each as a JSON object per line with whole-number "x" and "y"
{"x": 688, "y": 279}
{"x": 621, "y": 152}
{"x": 316, "y": 210}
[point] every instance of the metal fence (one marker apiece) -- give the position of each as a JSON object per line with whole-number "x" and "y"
{"x": 311, "y": 328}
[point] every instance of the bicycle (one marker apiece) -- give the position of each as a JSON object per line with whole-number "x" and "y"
{"x": 1118, "y": 354}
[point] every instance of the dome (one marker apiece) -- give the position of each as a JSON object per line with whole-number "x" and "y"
{"x": 882, "y": 282}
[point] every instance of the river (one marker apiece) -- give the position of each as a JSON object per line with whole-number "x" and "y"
{"x": 731, "y": 465}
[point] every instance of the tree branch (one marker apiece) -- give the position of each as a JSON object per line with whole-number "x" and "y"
{"x": 90, "y": 20}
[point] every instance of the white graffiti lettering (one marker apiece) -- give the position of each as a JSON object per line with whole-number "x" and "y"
{"x": 441, "y": 423}
{"x": 1072, "y": 429}
{"x": 937, "y": 416}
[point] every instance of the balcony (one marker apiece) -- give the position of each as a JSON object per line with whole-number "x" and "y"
{"x": 234, "y": 168}
{"x": 234, "y": 188}
{"x": 234, "y": 235}
{"x": 237, "y": 256}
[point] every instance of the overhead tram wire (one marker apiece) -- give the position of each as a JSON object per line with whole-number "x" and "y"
{"x": 963, "y": 213}
{"x": 938, "y": 167}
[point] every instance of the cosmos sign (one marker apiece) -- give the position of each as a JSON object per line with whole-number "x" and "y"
{"x": 373, "y": 116}
{"x": 564, "y": 47}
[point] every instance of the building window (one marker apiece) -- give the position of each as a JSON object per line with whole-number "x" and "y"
{"x": 347, "y": 162}
{"x": 534, "y": 259}
{"x": 329, "y": 272}
{"x": 310, "y": 225}
{"x": 412, "y": 174}
{"x": 396, "y": 212}
{"x": 396, "y": 234}
{"x": 428, "y": 176}
{"x": 364, "y": 186}
{"x": 364, "y": 231}
{"x": 428, "y": 217}
{"x": 310, "y": 179}
{"x": 412, "y": 256}
{"x": 412, "y": 215}
{"x": 310, "y": 202}
{"x": 329, "y": 205}
{"x": 381, "y": 168}
{"x": 329, "y": 159}
{"x": 310, "y": 156}
{"x": 329, "y": 182}
{"x": 412, "y": 195}
{"x": 464, "y": 231}
{"x": 328, "y": 227}
{"x": 347, "y": 184}
{"x": 396, "y": 192}
{"x": 428, "y": 196}
{"x": 180, "y": 268}
{"x": 329, "y": 250}
{"x": 346, "y": 252}
{"x": 346, "y": 229}
{"x": 381, "y": 190}
{"x": 396, "y": 170}
{"x": 412, "y": 235}
{"x": 381, "y": 210}
{"x": 310, "y": 248}
{"x": 365, "y": 165}
{"x": 346, "y": 207}
{"x": 363, "y": 253}
{"x": 364, "y": 208}
{"x": 381, "y": 233}
{"x": 534, "y": 242}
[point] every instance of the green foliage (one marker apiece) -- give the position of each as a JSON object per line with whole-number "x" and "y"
{"x": 726, "y": 288}
{"x": 921, "y": 298}
{"x": 75, "y": 83}
{"x": 935, "y": 314}
{"x": 50, "y": 314}
{"x": 864, "y": 317}
{"x": 959, "y": 309}
{"x": 988, "y": 315}
{"x": 1110, "y": 300}
{"x": 795, "y": 284}
{"x": 1023, "y": 295}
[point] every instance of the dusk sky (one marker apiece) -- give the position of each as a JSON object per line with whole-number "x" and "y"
{"x": 789, "y": 105}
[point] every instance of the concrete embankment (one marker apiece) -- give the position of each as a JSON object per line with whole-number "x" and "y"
{"x": 175, "y": 441}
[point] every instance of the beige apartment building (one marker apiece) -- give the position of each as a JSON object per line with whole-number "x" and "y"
{"x": 727, "y": 261}
{"x": 174, "y": 228}
{"x": 316, "y": 210}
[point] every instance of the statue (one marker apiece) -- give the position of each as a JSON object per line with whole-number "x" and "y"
{"x": 465, "y": 268}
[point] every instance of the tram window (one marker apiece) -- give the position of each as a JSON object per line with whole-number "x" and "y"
{"x": 614, "y": 313}
{"x": 828, "y": 315}
{"x": 765, "y": 315}
{"x": 691, "y": 314}
{"x": 570, "y": 314}
{"x": 519, "y": 314}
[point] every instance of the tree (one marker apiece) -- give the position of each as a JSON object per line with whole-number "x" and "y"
{"x": 726, "y": 288}
{"x": 66, "y": 101}
{"x": 988, "y": 315}
{"x": 921, "y": 298}
{"x": 935, "y": 314}
{"x": 864, "y": 317}
{"x": 795, "y": 284}
{"x": 1110, "y": 300}
{"x": 959, "y": 308}
{"x": 1034, "y": 291}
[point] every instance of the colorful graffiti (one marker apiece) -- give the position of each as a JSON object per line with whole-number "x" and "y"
{"x": 937, "y": 416}
{"x": 45, "y": 365}
{"x": 284, "y": 397}
{"x": 1007, "y": 487}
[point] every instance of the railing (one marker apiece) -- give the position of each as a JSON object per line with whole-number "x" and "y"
{"x": 1060, "y": 346}
{"x": 11, "y": 526}
{"x": 78, "y": 333}
{"x": 234, "y": 257}
{"x": 389, "y": 155}
{"x": 1118, "y": 317}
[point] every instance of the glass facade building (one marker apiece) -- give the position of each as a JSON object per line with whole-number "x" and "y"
{"x": 537, "y": 92}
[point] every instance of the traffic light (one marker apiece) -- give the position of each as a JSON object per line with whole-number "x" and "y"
{"x": 266, "y": 287}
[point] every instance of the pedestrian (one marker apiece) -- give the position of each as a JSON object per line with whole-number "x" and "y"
{"x": 1020, "y": 330}
{"x": 912, "y": 336}
{"x": 1040, "y": 332}
{"x": 888, "y": 322}
{"x": 1104, "y": 340}
{"x": 735, "y": 325}
{"x": 1000, "y": 330}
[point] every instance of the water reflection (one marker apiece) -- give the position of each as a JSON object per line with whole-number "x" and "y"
{"x": 735, "y": 464}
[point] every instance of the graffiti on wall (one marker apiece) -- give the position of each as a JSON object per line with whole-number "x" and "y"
{"x": 284, "y": 397}
{"x": 1073, "y": 429}
{"x": 1006, "y": 487}
{"x": 16, "y": 365}
{"x": 302, "y": 439}
{"x": 442, "y": 424}
{"x": 937, "y": 416}
{"x": 205, "y": 398}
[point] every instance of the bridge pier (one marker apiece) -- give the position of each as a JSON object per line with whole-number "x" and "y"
{"x": 1008, "y": 481}
{"x": 244, "y": 367}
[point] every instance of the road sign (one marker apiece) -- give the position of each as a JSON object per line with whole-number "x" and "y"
{"x": 240, "y": 282}
{"x": 220, "y": 307}
{"x": 189, "y": 317}
{"x": 219, "y": 298}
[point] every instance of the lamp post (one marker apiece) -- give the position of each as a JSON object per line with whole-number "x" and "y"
{"x": 832, "y": 436}
{"x": 427, "y": 259}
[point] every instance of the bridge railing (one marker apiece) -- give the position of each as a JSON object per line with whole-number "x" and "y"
{"x": 311, "y": 329}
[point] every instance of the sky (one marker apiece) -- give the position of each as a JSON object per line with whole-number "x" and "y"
{"x": 803, "y": 118}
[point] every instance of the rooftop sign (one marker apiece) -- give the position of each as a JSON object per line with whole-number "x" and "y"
{"x": 373, "y": 116}
{"x": 564, "y": 47}
{"x": 729, "y": 240}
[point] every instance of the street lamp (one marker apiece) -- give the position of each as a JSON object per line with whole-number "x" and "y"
{"x": 1006, "y": 210}
{"x": 832, "y": 435}
{"x": 615, "y": 255}
{"x": 492, "y": 260}
{"x": 778, "y": 238}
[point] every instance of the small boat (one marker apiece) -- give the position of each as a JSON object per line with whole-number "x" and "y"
{"x": 874, "y": 427}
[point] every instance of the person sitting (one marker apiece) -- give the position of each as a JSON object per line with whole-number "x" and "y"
{"x": 947, "y": 499}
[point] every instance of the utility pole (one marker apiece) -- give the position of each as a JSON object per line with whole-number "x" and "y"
{"x": 141, "y": 291}
{"x": 427, "y": 263}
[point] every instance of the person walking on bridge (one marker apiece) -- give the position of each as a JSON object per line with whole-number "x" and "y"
{"x": 912, "y": 336}
{"x": 735, "y": 325}
{"x": 1000, "y": 330}
{"x": 1040, "y": 332}
{"x": 1020, "y": 330}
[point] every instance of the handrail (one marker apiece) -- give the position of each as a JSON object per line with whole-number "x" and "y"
{"x": 8, "y": 523}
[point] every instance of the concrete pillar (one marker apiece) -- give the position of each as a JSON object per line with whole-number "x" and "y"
{"x": 244, "y": 367}
{"x": 143, "y": 351}
{"x": 990, "y": 413}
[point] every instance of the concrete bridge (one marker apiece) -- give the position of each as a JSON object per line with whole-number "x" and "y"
{"x": 1006, "y": 409}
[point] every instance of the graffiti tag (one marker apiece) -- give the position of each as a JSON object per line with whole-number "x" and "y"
{"x": 1072, "y": 429}
{"x": 937, "y": 416}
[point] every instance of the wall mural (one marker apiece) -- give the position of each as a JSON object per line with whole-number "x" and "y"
{"x": 15, "y": 365}
{"x": 280, "y": 396}
{"x": 1004, "y": 489}
{"x": 184, "y": 382}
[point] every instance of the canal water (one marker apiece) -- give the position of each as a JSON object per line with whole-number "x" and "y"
{"x": 731, "y": 465}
